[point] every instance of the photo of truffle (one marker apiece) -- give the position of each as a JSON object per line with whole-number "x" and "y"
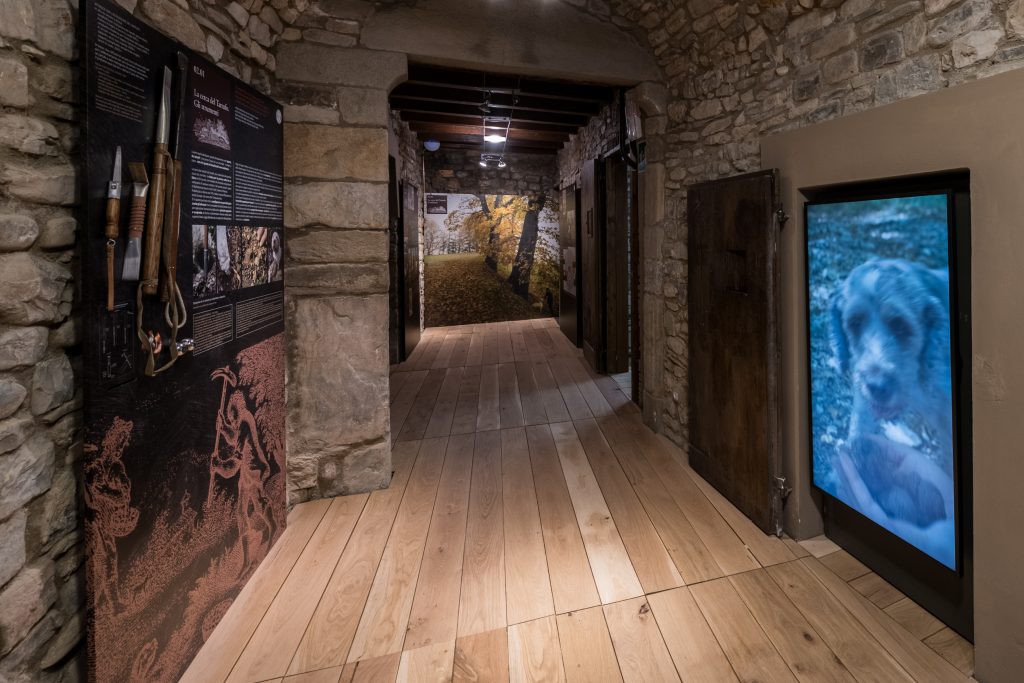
{"x": 212, "y": 132}
{"x": 275, "y": 257}
{"x": 211, "y": 261}
{"x": 249, "y": 261}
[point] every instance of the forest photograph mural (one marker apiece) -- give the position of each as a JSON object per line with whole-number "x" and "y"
{"x": 489, "y": 258}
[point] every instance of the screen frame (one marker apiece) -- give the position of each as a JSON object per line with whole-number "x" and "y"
{"x": 946, "y": 592}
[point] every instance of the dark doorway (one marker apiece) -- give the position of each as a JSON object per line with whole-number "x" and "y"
{"x": 617, "y": 264}
{"x": 396, "y": 294}
{"x": 410, "y": 268}
{"x": 569, "y": 309}
{"x": 592, "y": 266}
{"x": 733, "y": 349}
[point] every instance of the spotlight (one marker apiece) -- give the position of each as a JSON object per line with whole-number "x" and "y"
{"x": 432, "y": 145}
{"x": 501, "y": 163}
{"x": 483, "y": 163}
{"x": 494, "y": 137}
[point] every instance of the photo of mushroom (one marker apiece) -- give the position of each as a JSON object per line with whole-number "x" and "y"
{"x": 211, "y": 261}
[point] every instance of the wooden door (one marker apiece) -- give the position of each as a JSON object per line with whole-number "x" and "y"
{"x": 616, "y": 265}
{"x": 568, "y": 305}
{"x": 396, "y": 326}
{"x": 591, "y": 255}
{"x": 733, "y": 341}
{"x": 411, "y": 270}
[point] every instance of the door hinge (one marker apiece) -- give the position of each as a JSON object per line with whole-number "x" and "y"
{"x": 782, "y": 489}
{"x": 782, "y": 217}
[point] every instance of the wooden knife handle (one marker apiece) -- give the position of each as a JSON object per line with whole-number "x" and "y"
{"x": 154, "y": 223}
{"x": 137, "y": 217}
{"x": 113, "y": 218}
{"x": 110, "y": 273}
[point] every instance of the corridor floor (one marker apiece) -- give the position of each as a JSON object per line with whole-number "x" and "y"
{"x": 535, "y": 529}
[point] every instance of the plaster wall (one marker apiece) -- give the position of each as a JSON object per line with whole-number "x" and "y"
{"x": 975, "y": 126}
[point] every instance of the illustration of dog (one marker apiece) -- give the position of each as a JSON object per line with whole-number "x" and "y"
{"x": 890, "y": 336}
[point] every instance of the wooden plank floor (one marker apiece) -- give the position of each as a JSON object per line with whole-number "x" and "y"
{"x": 536, "y": 530}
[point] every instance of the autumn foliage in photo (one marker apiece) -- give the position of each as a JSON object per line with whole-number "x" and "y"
{"x": 490, "y": 258}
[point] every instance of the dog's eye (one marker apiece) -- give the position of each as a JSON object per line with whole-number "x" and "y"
{"x": 900, "y": 327}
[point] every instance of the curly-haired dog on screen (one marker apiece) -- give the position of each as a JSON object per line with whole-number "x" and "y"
{"x": 890, "y": 335}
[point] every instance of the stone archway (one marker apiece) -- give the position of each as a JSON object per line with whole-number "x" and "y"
{"x": 335, "y": 77}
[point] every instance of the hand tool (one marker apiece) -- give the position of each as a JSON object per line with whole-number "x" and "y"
{"x": 136, "y": 221}
{"x": 155, "y": 216}
{"x": 113, "y": 223}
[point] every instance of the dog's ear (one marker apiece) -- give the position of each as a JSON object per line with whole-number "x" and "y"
{"x": 840, "y": 344}
{"x": 935, "y": 323}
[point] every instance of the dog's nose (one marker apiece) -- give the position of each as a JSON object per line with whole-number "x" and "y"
{"x": 880, "y": 390}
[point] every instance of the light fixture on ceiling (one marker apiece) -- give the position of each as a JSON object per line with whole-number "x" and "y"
{"x": 496, "y": 128}
{"x": 492, "y": 160}
{"x": 431, "y": 145}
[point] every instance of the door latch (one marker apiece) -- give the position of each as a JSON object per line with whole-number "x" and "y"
{"x": 781, "y": 488}
{"x": 782, "y": 217}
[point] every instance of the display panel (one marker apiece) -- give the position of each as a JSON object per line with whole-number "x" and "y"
{"x": 882, "y": 383}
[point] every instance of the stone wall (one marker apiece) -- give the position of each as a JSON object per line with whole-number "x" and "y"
{"x": 336, "y": 212}
{"x": 459, "y": 172}
{"x": 599, "y": 137}
{"x": 41, "y": 540}
{"x": 738, "y": 71}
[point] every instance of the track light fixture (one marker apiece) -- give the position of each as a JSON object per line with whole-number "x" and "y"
{"x": 492, "y": 160}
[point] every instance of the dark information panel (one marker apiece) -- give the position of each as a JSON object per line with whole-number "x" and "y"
{"x": 184, "y": 469}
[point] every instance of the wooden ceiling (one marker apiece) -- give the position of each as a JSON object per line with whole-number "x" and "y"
{"x": 445, "y": 105}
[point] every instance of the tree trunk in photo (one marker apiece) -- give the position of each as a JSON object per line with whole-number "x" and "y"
{"x": 491, "y": 257}
{"x": 522, "y": 267}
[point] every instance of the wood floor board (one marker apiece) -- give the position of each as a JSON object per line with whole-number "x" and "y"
{"x": 482, "y": 657}
{"x": 332, "y": 627}
{"x": 482, "y": 599}
{"x": 572, "y": 583}
{"x": 844, "y": 565}
{"x": 865, "y": 658}
{"x": 423, "y": 407}
{"x": 405, "y": 399}
{"x": 488, "y": 415}
{"x": 651, "y": 561}
{"x": 550, "y": 396}
{"x": 510, "y": 407}
{"x": 460, "y": 354}
{"x": 382, "y": 669}
{"x": 728, "y": 552}
{"x": 440, "y": 423}
{"x": 876, "y": 589}
{"x": 587, "y": 652}
{"x": 227, "y": 642}
{"x": 529, "y": 395}
{"x": 523, "y": 552}
{"x": 571, "y": 396}
{"x": 691, "y": 643}
{"x": 639, "y": 647}
{"x": 914, "y": 656}
{"x": 534, "y": 653}
{"x": 270, "y": 650}
{"x": 687, "y": 549}
{"x": 429, "y": 664}
{"x": 613, "y": 571}
{"x": 527, "y": 586}
{"x": 750, "y": 651}
{"x": 385, "y": 617}
{"x": 465, "y": 418}
{"x": 808, "y": 657}
{"x": 434, "y": 616}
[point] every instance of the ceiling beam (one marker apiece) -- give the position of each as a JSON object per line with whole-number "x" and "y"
{"x": 477, "y": 130}
{"x": 404, "y": 105}
{"x": 427, "y": 117}
{"x": 424, "y": 74}
{"x": 500, "y": 103}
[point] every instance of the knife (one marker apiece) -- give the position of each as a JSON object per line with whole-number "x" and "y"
{"x": 113, "y": 223}
{"x": 158, "y": 178}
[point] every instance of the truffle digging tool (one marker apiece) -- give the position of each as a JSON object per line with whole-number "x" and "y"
{"x": 112, "y": 227}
